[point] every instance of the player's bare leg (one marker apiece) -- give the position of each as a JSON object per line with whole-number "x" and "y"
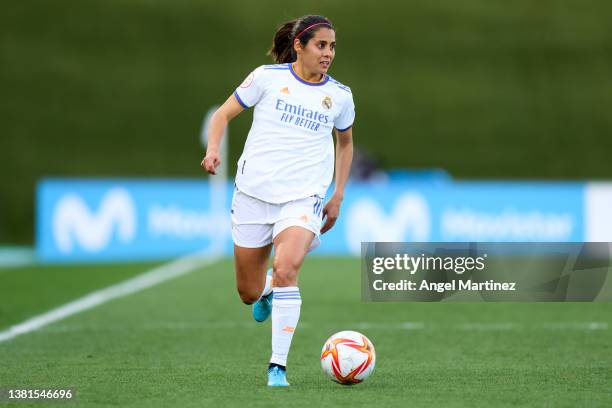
{"x": 250, "y": 265}
{"x": 290, "y": 249}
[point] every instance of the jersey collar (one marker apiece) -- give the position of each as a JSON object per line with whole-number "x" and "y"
{"x": 323, "y": 82}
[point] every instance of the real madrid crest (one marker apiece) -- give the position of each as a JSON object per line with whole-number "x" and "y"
{"x": 327, "y": 102}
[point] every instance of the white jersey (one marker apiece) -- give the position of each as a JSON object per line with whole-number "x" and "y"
{"x": 289, "y": 152}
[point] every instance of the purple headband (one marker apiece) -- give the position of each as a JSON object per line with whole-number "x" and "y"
{"x": 309, "y": 27}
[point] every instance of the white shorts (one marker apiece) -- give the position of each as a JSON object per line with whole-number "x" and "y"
{"x": 256, "y": 223}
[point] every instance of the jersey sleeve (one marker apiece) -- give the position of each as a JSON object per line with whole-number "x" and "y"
{"x": 345, "y": 119}
{"x": 251, "y": 90}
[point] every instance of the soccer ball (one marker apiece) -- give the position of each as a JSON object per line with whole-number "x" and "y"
{"x": 348, "y": 357}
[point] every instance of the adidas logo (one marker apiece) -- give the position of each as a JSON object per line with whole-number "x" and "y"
{"x": 285, "y": 90}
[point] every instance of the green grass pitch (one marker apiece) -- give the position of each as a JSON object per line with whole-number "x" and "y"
{"x": 191, "y": 342}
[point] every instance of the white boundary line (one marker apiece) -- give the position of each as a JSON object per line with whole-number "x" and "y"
{"x": 155, "y": 276}
{"x": 373, "y": 326}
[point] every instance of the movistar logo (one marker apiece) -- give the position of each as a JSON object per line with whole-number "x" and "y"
{"x": 75, "y": 225}
{"x": 408, "y": 220}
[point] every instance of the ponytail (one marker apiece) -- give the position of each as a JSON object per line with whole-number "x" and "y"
{"x": 282, "y": 45}
{"x": 302, "y": 28}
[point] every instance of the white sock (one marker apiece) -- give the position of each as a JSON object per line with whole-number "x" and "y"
{"x": 285, "y": 315}
{"x": 268, "y": 286}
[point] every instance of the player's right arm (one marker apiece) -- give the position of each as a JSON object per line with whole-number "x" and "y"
{"x": 245, "y": 96}
{"x": 218, "y": 123}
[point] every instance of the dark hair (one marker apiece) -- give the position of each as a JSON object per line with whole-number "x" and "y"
{"x": 282, "y": 45}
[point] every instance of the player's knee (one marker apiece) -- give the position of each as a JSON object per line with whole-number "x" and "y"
{"x": 285, "y": 273}
{"x": 248, "y": 296}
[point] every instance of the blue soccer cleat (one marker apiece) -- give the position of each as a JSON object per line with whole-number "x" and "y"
{"x": 277, "y": 377}
{"x": 262, "y": 308}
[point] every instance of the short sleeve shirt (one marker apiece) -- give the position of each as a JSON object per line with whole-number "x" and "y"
{"x": 289, "y": 152}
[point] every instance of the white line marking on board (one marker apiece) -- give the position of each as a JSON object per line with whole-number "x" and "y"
{"x": 155, "y": 276}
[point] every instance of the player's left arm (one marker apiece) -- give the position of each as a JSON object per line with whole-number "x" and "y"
{"x": 344, "y": 157}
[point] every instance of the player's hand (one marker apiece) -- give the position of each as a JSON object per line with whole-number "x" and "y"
{"x": 331, "y": 211}
{"x": 211, "y": 162}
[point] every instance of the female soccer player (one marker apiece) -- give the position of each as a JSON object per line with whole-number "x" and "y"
{"x": 284, "y": 172}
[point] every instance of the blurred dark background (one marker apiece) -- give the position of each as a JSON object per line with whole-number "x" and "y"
{"x": 483, "y": 89}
